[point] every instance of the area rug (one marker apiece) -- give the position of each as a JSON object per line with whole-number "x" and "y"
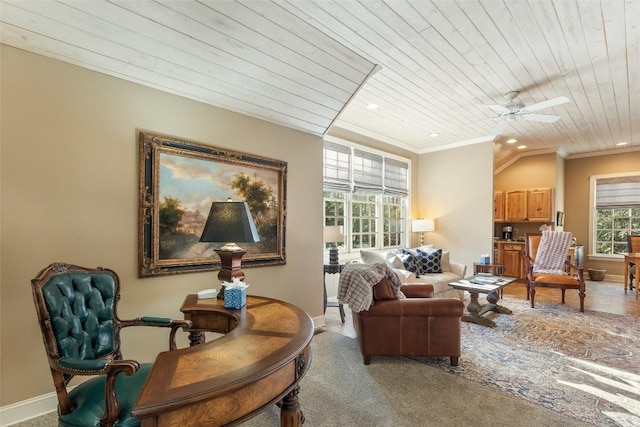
{"x": 583, "y": 365}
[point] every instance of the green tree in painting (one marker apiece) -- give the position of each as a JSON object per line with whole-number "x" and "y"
{"x": 173, "y": 242}
{"x": 170, "y": 215}
{"x": 262, "y": 203}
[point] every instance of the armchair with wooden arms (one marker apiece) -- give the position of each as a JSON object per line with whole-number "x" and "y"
{"x": 633, "y": 246}
{"x": 77, "y": 312}
{"x": 547, "y": 264}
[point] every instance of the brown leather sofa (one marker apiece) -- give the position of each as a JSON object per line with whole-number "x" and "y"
{"x": 419, "y": 325}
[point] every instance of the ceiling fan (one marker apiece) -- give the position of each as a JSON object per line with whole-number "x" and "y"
{"x": 514, "y": 108}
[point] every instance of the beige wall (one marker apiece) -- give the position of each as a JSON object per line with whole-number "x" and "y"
{"x": 528, "y": 172}
{"x": 69, "y": 193}
{"x": 577, "y": 174}
{"x": 455, "y": 187}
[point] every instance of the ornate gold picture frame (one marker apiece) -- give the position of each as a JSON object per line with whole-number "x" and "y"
{"x": 178, "y": 181}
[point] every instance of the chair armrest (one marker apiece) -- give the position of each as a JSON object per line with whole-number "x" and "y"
{"x": 416, "y": 290}
{"x": 160, "y": 322}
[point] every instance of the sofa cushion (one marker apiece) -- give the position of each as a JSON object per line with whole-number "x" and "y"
{"x": 411, "y": 262}
{"x": 383, "y": 290}
{"x": 431, "y": 261}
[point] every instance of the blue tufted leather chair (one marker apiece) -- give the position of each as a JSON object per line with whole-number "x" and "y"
{"x": 77, "y": 312}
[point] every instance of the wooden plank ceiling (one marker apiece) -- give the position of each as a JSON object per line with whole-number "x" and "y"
{"x": 430, "y": 67}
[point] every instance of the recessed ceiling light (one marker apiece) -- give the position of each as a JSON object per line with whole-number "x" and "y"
{"x": 372, "y": 106}
{"x": 521, "y": 147}
{"x": 511, "y": 141}
{"x": 622, "y": 143}
{"x": 434, "y": 134}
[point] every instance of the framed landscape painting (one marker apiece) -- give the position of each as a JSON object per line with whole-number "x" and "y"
{"x": 178, "y": 181}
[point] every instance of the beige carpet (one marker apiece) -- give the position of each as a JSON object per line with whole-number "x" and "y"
{"x": 339, "y": 390}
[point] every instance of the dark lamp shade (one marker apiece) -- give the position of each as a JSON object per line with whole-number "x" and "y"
{"x": 230, "y": 222}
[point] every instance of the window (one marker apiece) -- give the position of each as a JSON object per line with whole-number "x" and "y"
{"x": 368, "y": 193}
{"x": 616, "y": 213}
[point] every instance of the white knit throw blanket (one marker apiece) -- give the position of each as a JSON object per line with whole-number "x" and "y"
{"x": 552, "y": 252}
{"x": 356, "y": 283}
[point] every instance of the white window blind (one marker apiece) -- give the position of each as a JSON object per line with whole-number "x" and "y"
{"x": 618, "y": 192}
{"x": 367, "y": 172}
{"x": 396, "y": 177}
{"x": 337, "y": 167}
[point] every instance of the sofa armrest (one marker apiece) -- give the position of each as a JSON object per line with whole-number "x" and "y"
{"x": 404, "y": 276}
{"x": 415, "y": 290}
{"x": 459, "y": 269}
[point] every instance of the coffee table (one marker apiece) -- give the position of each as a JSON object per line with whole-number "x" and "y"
{"x": 483, "y": 284}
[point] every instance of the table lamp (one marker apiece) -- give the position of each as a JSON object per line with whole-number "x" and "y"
{"x": 421, "y": 226}
{"x": 333, "y": 234}
{"x": 230, "y": 223}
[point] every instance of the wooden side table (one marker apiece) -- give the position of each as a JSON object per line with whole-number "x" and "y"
{"x": 493, "y": 269}
{"x": 332, "y": 269}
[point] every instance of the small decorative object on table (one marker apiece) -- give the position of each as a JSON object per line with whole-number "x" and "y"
{"x": 235, "y": 294}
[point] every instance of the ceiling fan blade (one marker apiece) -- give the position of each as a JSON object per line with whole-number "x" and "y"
{"x": 499, "y": 109}
{"x": 546, "y": 104}
{"x": 500, "y": 127}
{"x": 544, "y": 118}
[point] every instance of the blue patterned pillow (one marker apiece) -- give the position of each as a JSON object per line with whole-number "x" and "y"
{"x": 431, "y": 261}
{"x": 411, "y": 262}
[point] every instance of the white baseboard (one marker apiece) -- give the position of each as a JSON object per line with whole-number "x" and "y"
{"x": 40, "y": 405}
{"x": 27, "y": 409}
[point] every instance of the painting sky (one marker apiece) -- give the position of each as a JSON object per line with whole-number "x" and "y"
{"x": 197, "y": 183}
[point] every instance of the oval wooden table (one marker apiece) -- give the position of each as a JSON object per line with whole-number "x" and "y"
{"x": 258, "y": 363}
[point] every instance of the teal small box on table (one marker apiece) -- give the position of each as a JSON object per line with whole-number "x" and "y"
{"x": 235, "y": 298}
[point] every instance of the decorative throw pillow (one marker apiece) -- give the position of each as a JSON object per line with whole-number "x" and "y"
{"x": 395, "y": 262}
{"x": 383, "y": 290}
{"x": 410, "y": 262}
{"x": 373, "y": 257}
{"x": 431, "y": 261}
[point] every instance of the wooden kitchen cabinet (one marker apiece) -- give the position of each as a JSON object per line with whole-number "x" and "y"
{"x": 526, "y": 205}
{"x": 512, "y": 259}
{"x": 516, "y": 205}
{"x": 539, "y": 205}
{"x": 498, "y": 206}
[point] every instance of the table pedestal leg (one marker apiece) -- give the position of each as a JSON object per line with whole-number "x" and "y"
{"x": 474, "y": 316}
{"x": 492, "y": 299}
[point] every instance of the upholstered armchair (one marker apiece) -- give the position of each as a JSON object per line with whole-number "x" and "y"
{"x": 419, "y": 325}
{"x": 77, "y": 312}
{"x": 547, "y": 265}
